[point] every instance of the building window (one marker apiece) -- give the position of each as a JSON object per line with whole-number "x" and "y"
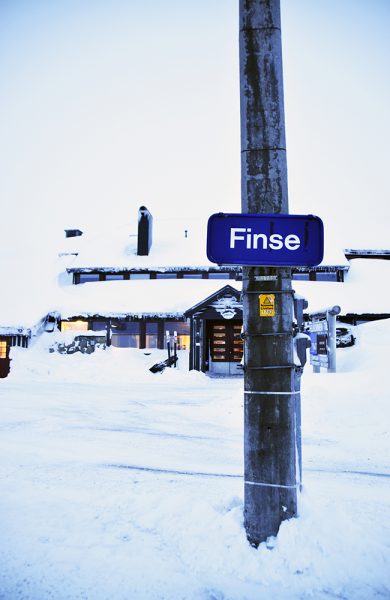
{"x": 79, "y": 325}
{"x": 165, "y": 275}
{"x": 3, "y": 349}
{"x": 192, "y": 275}
{"x": 86, "y": 277}
{"x": 301, "y": 276}
{"x": 98, "y": 326}
{"x": 121, "y": 340}
{"x": 151, "y": 335}
{"x": 326, "y": 276}
{"x": 139, "y": 276}
{"x": 125, "y": 334}
{"x": 182, "y": 329}
{"x": 219, "y": 275}
{"x": 113, "y": 276}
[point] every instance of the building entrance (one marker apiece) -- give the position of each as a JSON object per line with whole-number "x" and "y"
{"x": 4, "y": 358}
{"x": 225, "y": 347}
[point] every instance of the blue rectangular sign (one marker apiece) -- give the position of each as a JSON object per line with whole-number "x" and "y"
{"x": 265, "y": 239}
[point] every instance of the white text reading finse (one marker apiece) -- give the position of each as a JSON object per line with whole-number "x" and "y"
{"x": 275, "y": 241}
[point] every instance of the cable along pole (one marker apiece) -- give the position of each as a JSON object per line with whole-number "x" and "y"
{"x": 270, "y": 431}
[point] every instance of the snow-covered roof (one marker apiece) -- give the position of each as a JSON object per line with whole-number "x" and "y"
{"x": 365, "y": 291}
{"x": 177, "y": 242}
{"x": 170, "y": 297}
{"x": 367, "y": 253}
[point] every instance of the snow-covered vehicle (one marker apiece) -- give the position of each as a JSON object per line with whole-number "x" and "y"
{"x": 344, "y": 337}
{"x": 85, "y": 343}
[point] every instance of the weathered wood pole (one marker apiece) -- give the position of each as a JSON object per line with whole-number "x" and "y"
{"x": 269, "y": 403}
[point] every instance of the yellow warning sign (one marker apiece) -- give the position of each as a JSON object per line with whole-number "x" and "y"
{"x": 267, "y": 305}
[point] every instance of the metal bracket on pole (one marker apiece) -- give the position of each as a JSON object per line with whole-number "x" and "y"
{"x": 248, "y": 335}
{"x": 264, "y": 278}
{"x": 258, "y": 292}
{"x": 259, "y": 393}
{"x": 263, "y": 368}
{"x": 273, "y": 485}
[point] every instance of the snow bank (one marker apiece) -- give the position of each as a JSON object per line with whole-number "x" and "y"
{"x": 109, "y": 366}
{"x": 121, "y": 484}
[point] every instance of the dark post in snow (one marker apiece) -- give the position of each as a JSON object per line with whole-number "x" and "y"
{"x": 269, "y": 404}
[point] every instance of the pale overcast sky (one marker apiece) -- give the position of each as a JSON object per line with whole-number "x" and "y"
{"x": 105, "y": 106}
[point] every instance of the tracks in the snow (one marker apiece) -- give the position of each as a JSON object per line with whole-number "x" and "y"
{"x": 238, "y": 475}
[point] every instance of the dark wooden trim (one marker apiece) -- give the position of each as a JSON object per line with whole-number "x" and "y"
{"x": 160, "y": 334}
{"x": 142, "y": 335}
{"x": 192, "y": 344}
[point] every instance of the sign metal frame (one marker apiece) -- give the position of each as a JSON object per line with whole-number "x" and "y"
{"x": 262, "y": 239}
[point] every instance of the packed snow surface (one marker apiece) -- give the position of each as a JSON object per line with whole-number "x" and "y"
{"x": 120, "y": 484}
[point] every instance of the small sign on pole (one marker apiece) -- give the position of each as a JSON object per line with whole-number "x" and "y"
{"x": 267, "y": 305}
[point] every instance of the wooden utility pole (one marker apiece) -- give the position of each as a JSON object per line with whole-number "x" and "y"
{"x": 270, "y": 412}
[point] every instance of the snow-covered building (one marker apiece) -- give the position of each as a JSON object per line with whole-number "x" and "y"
{"x": 132, "y": 284}
{"x": 139, "y": 281}
{"x": 27, "y": 299}
{"x": 19, "y": 333}
{"x": 144, "y": 280}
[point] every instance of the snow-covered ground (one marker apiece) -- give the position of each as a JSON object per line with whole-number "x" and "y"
{"x": 119, "y": 484}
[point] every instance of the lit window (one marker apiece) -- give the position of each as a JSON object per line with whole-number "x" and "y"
{"x": 74, "y": 325}
{"x": 183, "y": 342}
{"x": 3, "y": 349}
{"x": 182, "y": 329}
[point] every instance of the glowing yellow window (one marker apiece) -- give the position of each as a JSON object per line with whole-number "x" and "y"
{"x": 183, "y": 342}
{"x": 3, "y": 349}
{"x": 74, "y": 325}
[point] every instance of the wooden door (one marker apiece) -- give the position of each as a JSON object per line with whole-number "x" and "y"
{"x": 225, "y": 345}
